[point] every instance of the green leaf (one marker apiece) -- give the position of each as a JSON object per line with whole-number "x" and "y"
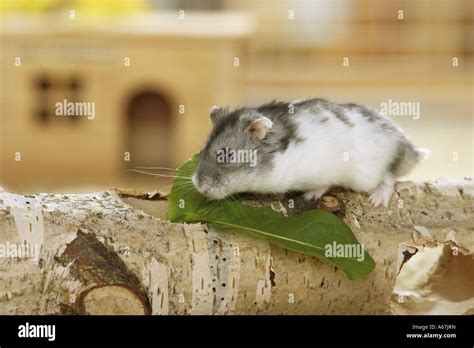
{"x": 309, "y": 233}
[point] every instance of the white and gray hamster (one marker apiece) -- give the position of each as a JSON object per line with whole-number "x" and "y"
{"x": 307, "y": 146}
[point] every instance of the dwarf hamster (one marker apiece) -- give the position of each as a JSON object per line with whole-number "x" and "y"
{"x": 308, "y": 146}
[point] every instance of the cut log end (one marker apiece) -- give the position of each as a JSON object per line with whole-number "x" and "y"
{"x": 111, "y": 300}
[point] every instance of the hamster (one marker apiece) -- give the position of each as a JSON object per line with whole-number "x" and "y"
{"x": 308, "y": 146}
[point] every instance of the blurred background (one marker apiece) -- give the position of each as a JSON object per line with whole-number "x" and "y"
{"x": 153, "y": 68}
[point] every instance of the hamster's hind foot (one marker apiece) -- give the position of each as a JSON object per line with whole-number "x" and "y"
{"x": 315, "y": 194}
{"x": 382, "y": 193}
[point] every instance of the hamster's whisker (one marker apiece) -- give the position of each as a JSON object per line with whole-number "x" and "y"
{"x": 233, "y": 204}
{"x": 236, "y": 208}
{"x": 187, "y": 188}
{"x": 155, "y": 168}
{"x": 158, "y": 174}
{"x": 181, "y": 180}
{"x": 181, "y": 185}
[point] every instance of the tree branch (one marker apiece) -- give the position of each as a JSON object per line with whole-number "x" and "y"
{"x": 114, "y": 253}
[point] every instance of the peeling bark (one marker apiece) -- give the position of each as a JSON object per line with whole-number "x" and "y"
{"x": 107, "y": 252}
{"x": 107, "y": 285}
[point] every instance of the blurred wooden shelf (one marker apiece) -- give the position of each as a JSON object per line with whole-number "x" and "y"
{"x": 363, "y": 69}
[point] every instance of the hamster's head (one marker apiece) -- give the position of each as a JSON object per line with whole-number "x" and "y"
{"x": 235, "y": 153}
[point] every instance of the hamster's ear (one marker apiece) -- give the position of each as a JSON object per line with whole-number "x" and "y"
{"x": 216, "y": 113}
{"x": 259, "y": 127}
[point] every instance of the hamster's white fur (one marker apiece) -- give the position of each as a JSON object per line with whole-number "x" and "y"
{"x": 331, "y": 154}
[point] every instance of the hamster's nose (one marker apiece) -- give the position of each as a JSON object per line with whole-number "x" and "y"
{"x": 203, "y": 189}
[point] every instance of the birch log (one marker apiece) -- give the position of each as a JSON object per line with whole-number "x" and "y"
{"x": 115, "y": 253}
